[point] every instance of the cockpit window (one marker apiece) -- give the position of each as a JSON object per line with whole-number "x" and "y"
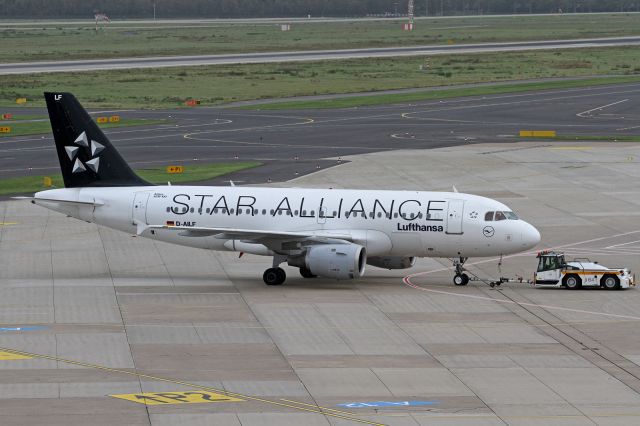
{"x": 511, "y": 215}
{"x": 500, "y": 216}
{"x": 488, "y": 216}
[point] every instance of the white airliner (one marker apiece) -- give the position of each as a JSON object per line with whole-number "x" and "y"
{"x": 330, "y": 233}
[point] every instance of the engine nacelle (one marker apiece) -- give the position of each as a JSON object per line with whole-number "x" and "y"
{"x": 391, "y": 262}
{"x": 338, "y": 261}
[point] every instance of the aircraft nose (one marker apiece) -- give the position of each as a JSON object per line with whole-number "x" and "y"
{"x": 530, "y": 236}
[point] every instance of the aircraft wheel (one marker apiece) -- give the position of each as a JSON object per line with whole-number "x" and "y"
{"x": 461, "y": 279}
{"x": 610, "y": 282}
{"x": 306, "y": 273}
{"x": 274, "y": 276}
{"x": 572, "y": 282}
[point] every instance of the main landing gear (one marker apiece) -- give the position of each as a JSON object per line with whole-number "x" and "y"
{"x": 275, "y": 275}
{"x": 460, "y": 278}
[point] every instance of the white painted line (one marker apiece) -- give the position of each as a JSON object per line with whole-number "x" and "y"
{"x": 588, "y": 112}
{"x": 623, "y": 244}
{"x": 407, "y": 281}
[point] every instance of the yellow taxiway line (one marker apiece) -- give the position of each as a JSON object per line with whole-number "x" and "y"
{"x": 345, "y": 415}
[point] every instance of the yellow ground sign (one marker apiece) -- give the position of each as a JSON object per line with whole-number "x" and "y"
{"x": 175, "y": 169}
{"x": 537, "y": 133}
{"x": 5, "y": 129}
{"x": 21, "y": 101}
{"x": 114, "y": 119}
{"x": 6, "y": 356}
{"x": 46, "y": 181}
{"x": 102, "y": 120}
{"x": 165, "y": 398}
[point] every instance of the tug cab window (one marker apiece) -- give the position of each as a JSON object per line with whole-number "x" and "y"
{"x": 548, "y": 263}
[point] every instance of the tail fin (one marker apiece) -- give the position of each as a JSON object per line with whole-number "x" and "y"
{"x": 86, "y": 156}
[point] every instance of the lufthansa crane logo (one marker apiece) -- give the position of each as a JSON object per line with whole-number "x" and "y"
{"x": 488, "y": 231}
{"x": 92, "y": 146}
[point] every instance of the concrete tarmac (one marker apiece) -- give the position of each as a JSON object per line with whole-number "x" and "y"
{"x": 92, "y": 318}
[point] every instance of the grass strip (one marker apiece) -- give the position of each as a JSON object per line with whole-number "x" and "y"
{"x": 24, "y": 128}
{"x": 222, "y": 84}
{"x": 396, "y": 98}
{"x": 45, "y": 40}
{"x": 192, "y": 173}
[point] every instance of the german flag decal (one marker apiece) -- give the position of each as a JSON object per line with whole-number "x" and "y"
{"x": 171, "y": 223}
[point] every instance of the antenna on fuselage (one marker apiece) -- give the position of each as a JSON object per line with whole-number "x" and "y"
{"x": 454, "y": 188}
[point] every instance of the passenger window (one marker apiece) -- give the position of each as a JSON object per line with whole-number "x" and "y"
{"x": 168, "y": 209}
{"x": 191, "y": 209}
{"x": 379, "y": 214}
{"x": 500, "y": 216}
{"x": 264, "y": 211}
{"x": 488, "y": 217}
{"x": 231, "y": 211}
{"x": 208, "y": 210}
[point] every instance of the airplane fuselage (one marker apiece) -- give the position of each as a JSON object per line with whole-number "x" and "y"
{"x": 386, "y": 223}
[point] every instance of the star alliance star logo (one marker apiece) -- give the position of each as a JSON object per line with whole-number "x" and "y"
{"x": 93, "y": 146}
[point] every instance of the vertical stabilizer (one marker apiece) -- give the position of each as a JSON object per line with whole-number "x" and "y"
{"x": 86, "y": 156}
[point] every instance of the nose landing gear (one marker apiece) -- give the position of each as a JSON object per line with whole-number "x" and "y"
{"x": 460, "y": 277}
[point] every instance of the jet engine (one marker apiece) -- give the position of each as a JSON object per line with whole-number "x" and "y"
{"x": 338, "y": 261}
{"x": 391, "y": 262}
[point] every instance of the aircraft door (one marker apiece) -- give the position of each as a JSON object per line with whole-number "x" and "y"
{"x": 139, "y": 213}
{"x": 454, "y": 216}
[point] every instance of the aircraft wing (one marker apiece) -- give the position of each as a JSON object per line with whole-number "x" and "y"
{"x": 253, "y": 234}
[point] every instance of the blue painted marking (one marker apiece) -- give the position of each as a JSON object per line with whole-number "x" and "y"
{"x": 377, "y": 404}
{"x": 25, "y": 328}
